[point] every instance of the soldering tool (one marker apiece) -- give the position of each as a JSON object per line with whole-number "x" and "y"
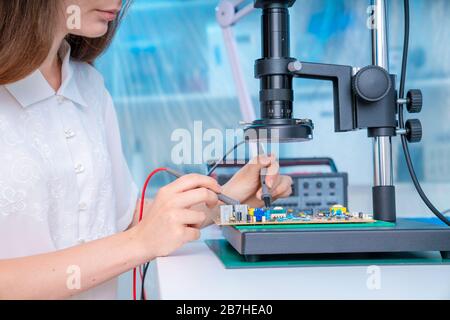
{"x": 225, "y": 199}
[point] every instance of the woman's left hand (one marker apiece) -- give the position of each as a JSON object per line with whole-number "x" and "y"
{"x": 245, "y": 185}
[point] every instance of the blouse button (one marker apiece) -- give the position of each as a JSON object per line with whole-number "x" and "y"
{"x": 82, "y": 206}
{"x": 60, "y": 99}
{"x": 69, "y": 133}
{"x": 79, "y": 169}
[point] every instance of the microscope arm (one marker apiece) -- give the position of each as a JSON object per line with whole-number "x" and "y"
{"x": 341, "y": 77}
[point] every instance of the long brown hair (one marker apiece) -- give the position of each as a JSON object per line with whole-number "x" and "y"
{"x": 27, "y": 29}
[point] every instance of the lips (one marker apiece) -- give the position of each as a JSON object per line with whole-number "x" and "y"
{"x": 108, "y": 15}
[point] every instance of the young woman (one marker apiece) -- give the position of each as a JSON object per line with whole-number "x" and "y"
{"x": 67, "y": 201}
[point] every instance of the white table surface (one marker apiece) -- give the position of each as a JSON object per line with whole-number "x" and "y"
{"x": 194, "y": 272}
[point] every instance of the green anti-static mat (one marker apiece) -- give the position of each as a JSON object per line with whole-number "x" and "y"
{"x": 233, "y": 260}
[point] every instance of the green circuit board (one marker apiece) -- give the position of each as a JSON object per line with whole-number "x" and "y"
{"x": 242, "y": 215}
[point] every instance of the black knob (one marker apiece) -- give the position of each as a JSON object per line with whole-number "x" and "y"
{"x": 413, "y": 130}
{"x": 372, "y": 83}
{"x": 415, "y": 101}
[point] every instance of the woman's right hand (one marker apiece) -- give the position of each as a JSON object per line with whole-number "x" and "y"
{"x": 170, "y": 222}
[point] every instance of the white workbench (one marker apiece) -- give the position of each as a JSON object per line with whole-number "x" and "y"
{"x": 194, "y": 272}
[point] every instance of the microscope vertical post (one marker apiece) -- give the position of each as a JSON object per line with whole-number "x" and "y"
{"x": 384, "y": 190}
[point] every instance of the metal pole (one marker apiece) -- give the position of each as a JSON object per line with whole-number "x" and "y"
{"x": 380, "y": 54}
{"x": 382, "y": 146}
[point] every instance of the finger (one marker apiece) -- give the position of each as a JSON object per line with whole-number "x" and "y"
{"x": 279, "y": 195}
{"x": 284, "y": 195}
{"x": 284, "y": 189}
{"x": 259, "y": 194}
{"x": 256, "y": 164}
{"x": 191, "y": 234}
{"x": 193, "y": 181}
{"x": 191, "y": 217}
{"x": 191, "y": 198}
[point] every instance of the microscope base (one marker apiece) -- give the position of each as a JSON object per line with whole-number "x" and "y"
{"x": 407, "y": 235}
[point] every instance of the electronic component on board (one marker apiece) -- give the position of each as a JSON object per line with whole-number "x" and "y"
{"x": 243, "y": 215}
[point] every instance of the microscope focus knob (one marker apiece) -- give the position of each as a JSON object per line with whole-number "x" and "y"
{"x": 413, "y": 130}
{"x": 372, "y": 83}
{"x": 415, "y": 101}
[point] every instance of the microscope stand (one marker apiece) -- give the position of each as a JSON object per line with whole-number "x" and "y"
{"x": 406, "y": 235}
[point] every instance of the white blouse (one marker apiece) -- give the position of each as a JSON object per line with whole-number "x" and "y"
{"x": 63, "y": 177}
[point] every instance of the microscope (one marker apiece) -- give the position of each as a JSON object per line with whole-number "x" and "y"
{"x": 364, "y": 98}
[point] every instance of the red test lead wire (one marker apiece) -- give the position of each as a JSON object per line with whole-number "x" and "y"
{"x": 141, "y": 213}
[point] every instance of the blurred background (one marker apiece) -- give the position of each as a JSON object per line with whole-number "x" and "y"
{"x": 168, "y": 68}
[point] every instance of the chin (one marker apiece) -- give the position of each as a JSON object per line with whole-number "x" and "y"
{"x": 96, "y": 30}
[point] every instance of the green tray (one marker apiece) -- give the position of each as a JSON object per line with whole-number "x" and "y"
{"x": 233, "y": 260}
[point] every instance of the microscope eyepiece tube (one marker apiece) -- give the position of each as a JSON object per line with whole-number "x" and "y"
{"x": 276, "y": 90}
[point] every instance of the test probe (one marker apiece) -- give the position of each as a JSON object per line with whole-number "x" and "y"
{"x": 225, "y": 199}
{"x": 266, "y": 195}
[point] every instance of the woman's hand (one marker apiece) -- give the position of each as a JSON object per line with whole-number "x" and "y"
{"x": 167, "y": 225}
{"x": 170, "y": 222}
{"x": 245, "y": 185}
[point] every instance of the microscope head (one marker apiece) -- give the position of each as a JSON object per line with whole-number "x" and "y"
{"x": 276, "y": 91}
{"x": 279, "y": 130}
{"x": 260, "y": 4}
